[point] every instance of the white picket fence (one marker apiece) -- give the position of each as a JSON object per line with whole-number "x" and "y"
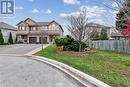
{"x": 113, "y": 45}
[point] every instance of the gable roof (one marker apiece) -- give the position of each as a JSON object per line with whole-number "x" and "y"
{"x": 116, "y": 34}
{"x": 26, "y": 21}
{"x": 43, "y": 23}
{"x": 48, "y": 23}
{"x": 97, "y": 25}
{"x": 40, "y": 23}
{"x": 7, "y": 26}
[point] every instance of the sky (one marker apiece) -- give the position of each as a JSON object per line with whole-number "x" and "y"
{"x": 98, "y": 11}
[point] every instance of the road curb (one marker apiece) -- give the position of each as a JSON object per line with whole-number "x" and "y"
{"x": 83, "y": 78}
{"x": 62, "y": 69}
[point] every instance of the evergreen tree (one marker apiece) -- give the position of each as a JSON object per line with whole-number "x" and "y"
{"x": 16, "y": 40}
{"x": 10, "y": 40}
{"x": 103, "y": 35}
{"x": 94, "y": 35}
{"x": 122, "y": 16}
{"x": 1, "y": 38}
{"x": 121, "y": 21}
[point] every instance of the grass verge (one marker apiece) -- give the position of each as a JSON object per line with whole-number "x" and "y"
{"x": 109, "y": 67}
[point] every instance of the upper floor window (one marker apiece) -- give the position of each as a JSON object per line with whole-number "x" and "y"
{"x": 34, "y": 28}
{"x": 44, "y": 28}
{"x": 22, "y": 28}
{"x": 54, "y": 27}
{"x": 57, "y": 27}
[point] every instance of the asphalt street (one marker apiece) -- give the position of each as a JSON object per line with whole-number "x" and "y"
{"x": 18, "y": 70}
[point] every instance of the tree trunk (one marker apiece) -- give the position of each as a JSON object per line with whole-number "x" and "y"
{"x": 79, "y": 47}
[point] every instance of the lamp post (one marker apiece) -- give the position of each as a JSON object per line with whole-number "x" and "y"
{"x": 43, "y": 33}
{"x": 41, "y": 40}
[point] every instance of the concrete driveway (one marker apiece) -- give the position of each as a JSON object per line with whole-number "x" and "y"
{"x": 21, "y": 71}
{"x": 18, "y": 48}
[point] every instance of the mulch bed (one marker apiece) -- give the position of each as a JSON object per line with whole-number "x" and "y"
{"x": 73, "y": 53}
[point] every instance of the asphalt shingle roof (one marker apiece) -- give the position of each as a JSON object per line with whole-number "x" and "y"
{"x": 7, "y": 26}
{"x": 97, "y": 25}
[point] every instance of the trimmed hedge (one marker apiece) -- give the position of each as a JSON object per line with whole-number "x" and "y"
{"x": 70, "y": 44}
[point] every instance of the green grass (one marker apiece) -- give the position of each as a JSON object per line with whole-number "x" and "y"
{"x": 109, "y": 67}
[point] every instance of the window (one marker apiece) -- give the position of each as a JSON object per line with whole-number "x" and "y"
{"x": 23, "y": 28}
{"x": 33, "y": 28}
{"x": 57, "y": 28}
{"x": 44, "y": 28}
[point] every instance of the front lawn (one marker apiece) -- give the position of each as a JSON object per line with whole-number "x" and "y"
{"x": 109, "y": 67}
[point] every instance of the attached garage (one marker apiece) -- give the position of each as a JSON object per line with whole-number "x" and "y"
{"x": 32, "y": 40}
{"x": 43, "y": 40}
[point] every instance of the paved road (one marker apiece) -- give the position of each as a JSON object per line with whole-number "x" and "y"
{"x": 20, "y": 71}
{"x": 18, "y": 48}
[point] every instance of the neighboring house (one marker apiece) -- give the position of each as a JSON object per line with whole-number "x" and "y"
{"x": 98, "y": 28}
{"x": 6, "y": 29}
{"x": 117, "y": 36}
{"x": 30, "y": 31}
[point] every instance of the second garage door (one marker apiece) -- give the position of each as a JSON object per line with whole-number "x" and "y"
{"x": 32, "y": 40}
{"x": 44, "y": 39}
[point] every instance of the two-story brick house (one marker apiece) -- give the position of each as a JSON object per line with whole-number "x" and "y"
{"x": 30, "y": 31}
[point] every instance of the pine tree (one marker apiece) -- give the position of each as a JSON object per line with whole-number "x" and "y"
{"x": 10, "y": 40}
{"x": 94, "y": 35}
{"x": 1, "y": 38}
{"x": 16, "y": 39}
{"x": 103, "y": 35}
{"x": 121, "y": 19}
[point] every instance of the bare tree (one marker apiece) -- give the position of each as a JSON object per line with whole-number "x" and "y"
{"x": 78, "y": 27}
{"x": 122, "y": 6}
{"x": 78, "y": 24}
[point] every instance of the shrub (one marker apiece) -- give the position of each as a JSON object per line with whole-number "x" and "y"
{"x": 95, "y": 35}
{"x": 64, "y": 41}
{"x": 76, "y": 44}
{"x": 10, "y": 40}
{"x": 57, "y": 41}
{"x": 83, "y": 45}
{"x": 69, "y": 43}
{"x": 1, "y": 39}
{"x": 103, "y": 35}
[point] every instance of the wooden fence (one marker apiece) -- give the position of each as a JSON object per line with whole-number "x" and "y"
{"x": 114, "y": 45}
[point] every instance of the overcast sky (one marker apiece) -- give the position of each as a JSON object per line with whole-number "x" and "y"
{"x": 48, "y": 10}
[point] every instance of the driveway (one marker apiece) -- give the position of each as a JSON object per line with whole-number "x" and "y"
{"x": 18, "y": 48}
{"x": 21, "y": 71}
